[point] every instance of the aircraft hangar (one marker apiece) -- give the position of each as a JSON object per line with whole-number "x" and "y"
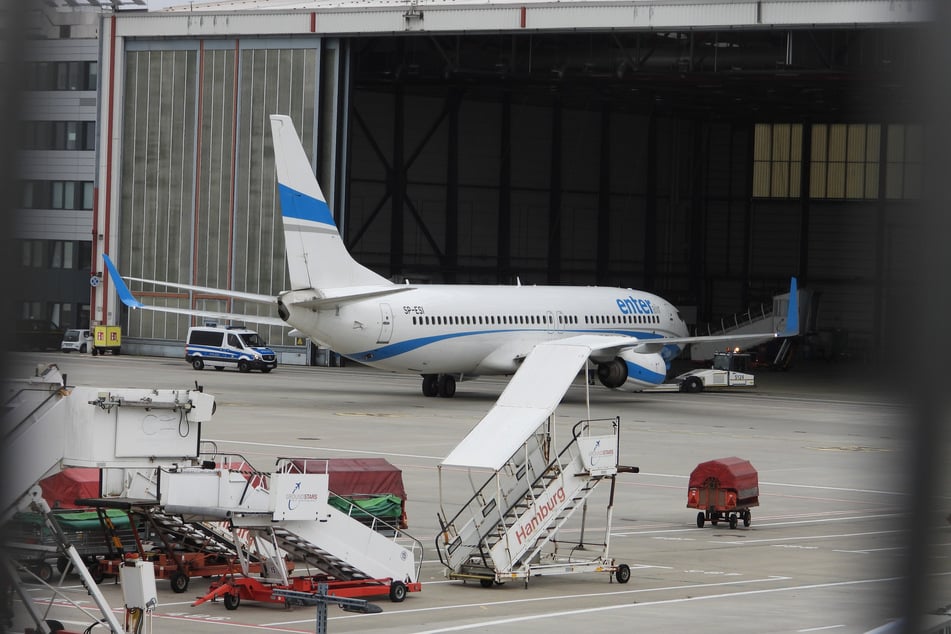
{"x": 703, "y": 150}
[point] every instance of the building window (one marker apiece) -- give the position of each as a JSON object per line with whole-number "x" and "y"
{"x": 61, "y": 76}
{"x": 903, "y": 162}
{"x": 845, "y": 161}
{"x": 777, "y": 157}
{"x": 55, "y": 254}
{"x": 58, "y": 135}
{"x": 56, "y": 194}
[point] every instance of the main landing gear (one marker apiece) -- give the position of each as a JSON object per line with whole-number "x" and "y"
{"x": 439, "y": 385}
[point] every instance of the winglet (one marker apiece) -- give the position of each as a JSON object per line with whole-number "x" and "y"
{"x": 124, "y": 293}
{"x": 791, "y": 328}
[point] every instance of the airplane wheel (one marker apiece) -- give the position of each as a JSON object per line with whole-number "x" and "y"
{"x": 198, "y": 364}
{"x": 447, "y": 386}
{"x": 430, "y": 385}
{"x": 397, "y": 591}
{"x": 693, "y": 385}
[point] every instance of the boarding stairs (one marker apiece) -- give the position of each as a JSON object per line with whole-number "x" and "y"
{"x": 48, "y": 425}
{"x": 291, "y": 509}
{"x": 509, "y": 528}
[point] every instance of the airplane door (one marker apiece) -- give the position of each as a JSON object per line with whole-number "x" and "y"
{"x": 386, "y": 323}
{"x": 554, "y": 321}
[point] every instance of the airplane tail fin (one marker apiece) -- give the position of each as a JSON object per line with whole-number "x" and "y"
{"x": 316, "y": 255}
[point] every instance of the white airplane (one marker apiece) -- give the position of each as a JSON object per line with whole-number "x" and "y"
{"x": 447, "y": 333}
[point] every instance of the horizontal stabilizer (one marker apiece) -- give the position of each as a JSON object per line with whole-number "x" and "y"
{"x": 127, "y": 298}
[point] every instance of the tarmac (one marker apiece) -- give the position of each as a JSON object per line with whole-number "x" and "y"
{"x": 825, "y": 551}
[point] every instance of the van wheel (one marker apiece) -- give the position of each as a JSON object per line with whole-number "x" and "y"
{"x": 82, "y": 348}
{"x": 243, "y": 366}
{"x": 198, "y": 364}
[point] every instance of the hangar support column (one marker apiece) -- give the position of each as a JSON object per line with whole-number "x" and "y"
{"x": 554, "y": 199}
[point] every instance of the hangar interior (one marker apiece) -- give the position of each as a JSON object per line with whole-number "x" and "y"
{"x": 707, "y": 166}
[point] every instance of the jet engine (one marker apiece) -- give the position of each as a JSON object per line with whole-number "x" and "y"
{"x": 633, "y": 371}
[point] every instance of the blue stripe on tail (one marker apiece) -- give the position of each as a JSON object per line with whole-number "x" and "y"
{"x": 297, "y": 205}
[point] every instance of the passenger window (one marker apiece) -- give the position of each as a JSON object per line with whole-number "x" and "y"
{"x": 234, "y": 342}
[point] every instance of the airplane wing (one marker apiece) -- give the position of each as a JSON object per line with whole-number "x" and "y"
{"x": 127, "y": 298}
{"x": 611, "y": 344}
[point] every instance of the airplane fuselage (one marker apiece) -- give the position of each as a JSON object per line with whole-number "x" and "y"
{"x": 480, "y": 330}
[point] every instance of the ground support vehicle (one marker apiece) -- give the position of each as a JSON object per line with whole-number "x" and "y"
{"x": 726, "y": 488}
{"x": 233, "y": 589}
{"x": 510, "y": 528}
{"x": 729, "y": 370}
{"x": 367, "y": 489}
{"x": 290, "y": 510}
{"x": 76, "y": 339}
{"x": 88, "y": 532}
{"x": 106, "y": 339}
{"x": 179, "y": 550}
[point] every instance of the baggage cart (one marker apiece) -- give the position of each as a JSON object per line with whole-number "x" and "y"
{"x": 726, "y": 488}
{"x": 106, "y": 339}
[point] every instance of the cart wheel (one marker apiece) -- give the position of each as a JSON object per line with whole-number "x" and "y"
{"x": 623, "y": 573}
{"x": 62, "y": 564}
{"x": 700, "y": 518}
{"x": 692, "y": 385}
{"x": 95, "y": 351}
{"x": 95, "y": 571}
{"x": 179, "y": 581}
{"x": 397, "y": 591}
{"x": 747, "y": 518}
{"x": 486, "y": 583}
{"x": 55, "y": 626}
{"x": 732, "y": 520}
{"x": 714, "y": 517}
{"x": 232, "y": 601}
{"x": 44, "y": 571}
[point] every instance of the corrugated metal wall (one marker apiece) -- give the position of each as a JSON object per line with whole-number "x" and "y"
{"x": 199, "y": 195}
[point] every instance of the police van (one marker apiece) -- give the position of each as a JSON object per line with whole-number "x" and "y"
{"x": 219, "y": 346}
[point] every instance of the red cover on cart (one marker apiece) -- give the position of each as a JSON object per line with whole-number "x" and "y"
{"x": 61, "y": 490}
{"x": 729, "y": 473}
{"x": 359, "y": 477}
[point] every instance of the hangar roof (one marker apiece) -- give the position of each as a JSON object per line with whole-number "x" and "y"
{"x": 366, "y": 17}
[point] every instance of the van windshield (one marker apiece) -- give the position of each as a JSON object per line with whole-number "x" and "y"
{"x": 252, "y": 340}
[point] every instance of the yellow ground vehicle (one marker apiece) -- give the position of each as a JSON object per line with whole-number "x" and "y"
{"x": 106, "y": 339}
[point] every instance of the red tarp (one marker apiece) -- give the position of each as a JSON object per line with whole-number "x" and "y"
{"x": 357, "y": 476}
{"x": 730, "y": 473}
{"x": 62, "y": 489}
